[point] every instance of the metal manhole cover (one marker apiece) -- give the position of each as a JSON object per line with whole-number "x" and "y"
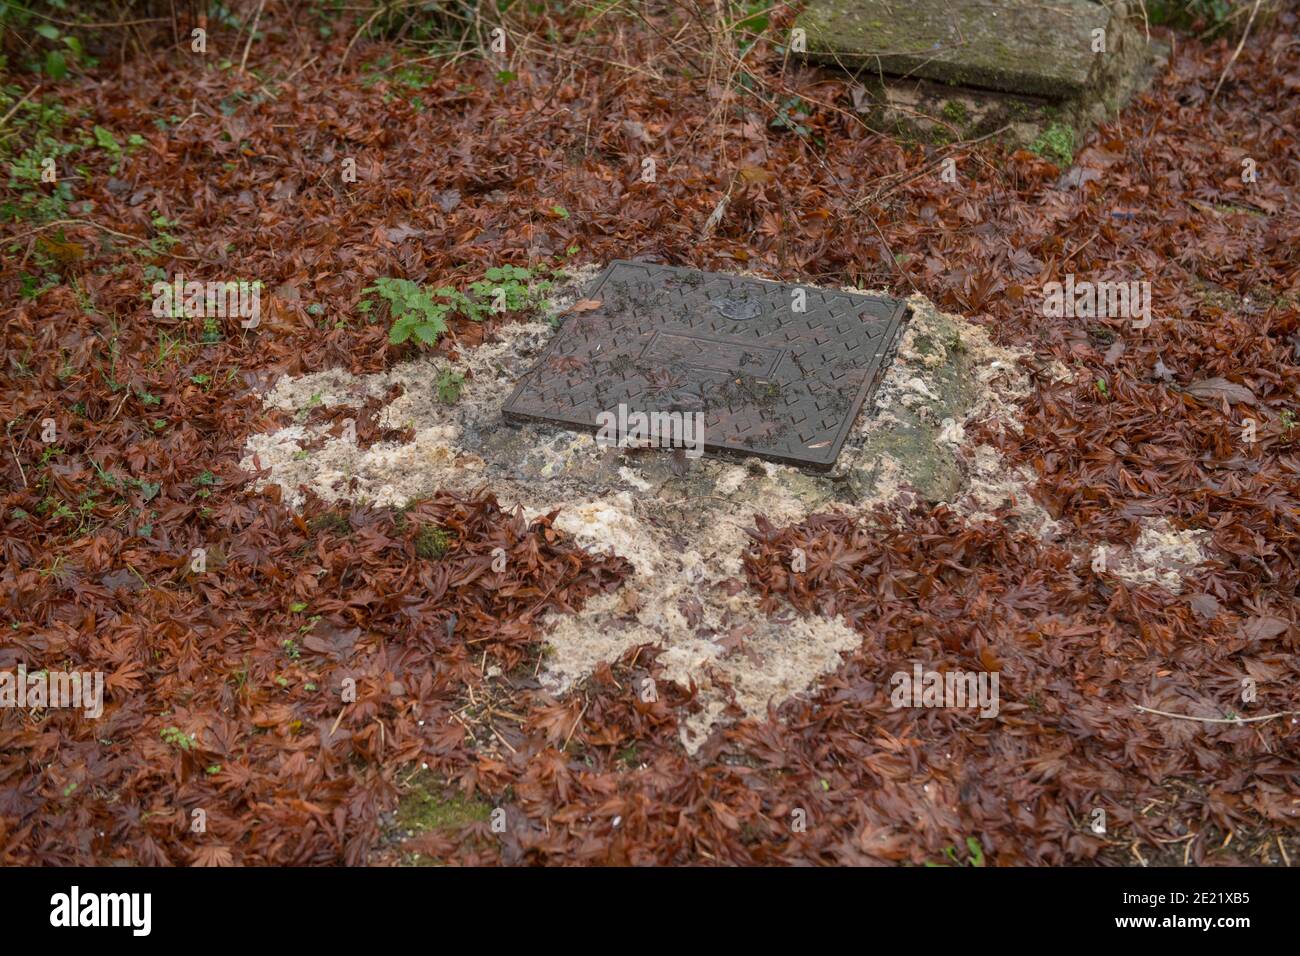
{"x": 769, "y": 380}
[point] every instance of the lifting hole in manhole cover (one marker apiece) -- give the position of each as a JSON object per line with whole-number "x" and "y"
{"x": 705, "y": 361}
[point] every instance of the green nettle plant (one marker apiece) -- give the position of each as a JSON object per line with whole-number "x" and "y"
{"x": 418, "y": 311}
{"x": 449, "y": 385}
{"x": 422, "y": 313}
{"x": 506, "y": 288}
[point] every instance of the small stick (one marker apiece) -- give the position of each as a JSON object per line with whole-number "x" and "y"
{"x": 357, "y": 36}
{"x": 15, "y": 453}
{"x": 257, "y": 18}
{"x": 299, "y": 70}
{"x": 14, "y": 109}
{"x": 574, "y": 728}
{"x": 1218, "y": 720}
{"x": 1235, "y": 53}
{"x": 498, "y": 736}
{"x": 88, "y": 222}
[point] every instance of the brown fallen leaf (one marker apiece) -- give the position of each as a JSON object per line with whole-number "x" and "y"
{"x": 332, "y": 641}
{"x": 213, "y": 856}
{"x": 401, "y": 232}
{"x": 1205, "y": 605}
{"x": 1212, "y": 388}
{"x": 636, "y": 131}
{"x": 1263, "y": 627}
{"x": 585, "y": 305}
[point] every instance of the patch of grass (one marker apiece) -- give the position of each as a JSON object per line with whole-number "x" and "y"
{"x": 432, "y": 543}
{"x": 170, "y": 347}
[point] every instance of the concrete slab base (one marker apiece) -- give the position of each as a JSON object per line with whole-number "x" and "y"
{"x": 684, "y": 533}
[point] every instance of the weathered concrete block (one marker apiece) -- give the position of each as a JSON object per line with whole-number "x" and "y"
{"x": 1032, "y": 71}
{"x": 1037, "y": 47}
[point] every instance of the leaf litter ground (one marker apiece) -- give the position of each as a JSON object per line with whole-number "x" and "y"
{"x": 1135, "y": 446}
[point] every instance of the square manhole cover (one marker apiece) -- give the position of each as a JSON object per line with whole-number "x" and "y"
{"x": 776, "y": 370}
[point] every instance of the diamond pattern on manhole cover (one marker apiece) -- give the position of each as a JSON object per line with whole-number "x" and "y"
{"x": 770, "y": 381}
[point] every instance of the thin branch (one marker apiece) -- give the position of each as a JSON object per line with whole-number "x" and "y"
{"x": 88, "y": 222}
{"x": 14, "y": 109}
{"x": 257, "y": 18}
{"x": 357, "y": 36}
{"x": 1235, "y": 53}
{"x": 1218, "y": 720}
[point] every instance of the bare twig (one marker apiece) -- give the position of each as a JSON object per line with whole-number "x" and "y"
{"x": 88, "y": 222}
{"x": 14, "y": 109}
{"x": 1235, "y": 53}
{"x": 104, "y": 25}
{"x": 930, "y": 167}
{"x": 357, "y": 36}
{"x": 1219, "y": 720}
{"x": 299, "y": 70}
{"x": 257, "y": 18}
{"x": 574, "y": 728}
{"x": 14, "y": 449}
